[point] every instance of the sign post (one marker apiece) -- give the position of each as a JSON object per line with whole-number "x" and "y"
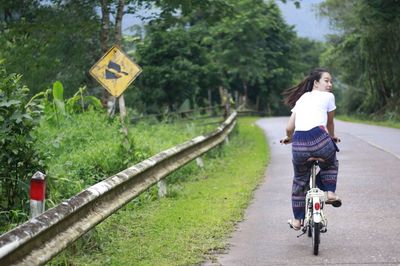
{"x": 115, "y": 71}
{"x": 37, "y": 194}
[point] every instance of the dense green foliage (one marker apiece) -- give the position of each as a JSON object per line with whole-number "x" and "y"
{"x": 365, "y": 54}
{"x": 243, "y": 46}
{"x": 18, "y": 159}
{"x": 78, "y": 156}
{"x": 365, "y": 120}
{"x": 200, "y": 210}
{"x": 85, "y": 148}
{"x": 46, "y": 43}
{"x": 76, "y": 144}
{"x": 187, "y": 51}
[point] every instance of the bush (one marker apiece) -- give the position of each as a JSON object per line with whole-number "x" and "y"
{"x": 18, "y": 160}
{"x": 81, "y": 150}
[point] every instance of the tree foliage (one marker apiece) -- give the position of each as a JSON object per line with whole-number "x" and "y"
{"x": 190, "y": 49}
{"x": 47, "y": 41}
{"x": 244, "y": 46}
{"x": 366, "y": 53}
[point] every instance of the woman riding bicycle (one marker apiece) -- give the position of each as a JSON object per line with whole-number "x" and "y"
{"x": 311, "y": 131}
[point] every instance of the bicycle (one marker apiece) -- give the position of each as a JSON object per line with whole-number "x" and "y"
{"x": 315, "y": 221}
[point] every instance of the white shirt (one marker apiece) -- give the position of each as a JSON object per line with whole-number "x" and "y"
{"x": 312, "y": 109}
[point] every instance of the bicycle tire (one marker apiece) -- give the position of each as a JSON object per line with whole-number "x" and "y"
{"x": 316, "y": 227}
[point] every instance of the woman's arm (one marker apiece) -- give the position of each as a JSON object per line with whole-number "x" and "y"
{"x": 290, "y": 126}
{"x": 289, "y": 129}
{"x": 331, "y": 126}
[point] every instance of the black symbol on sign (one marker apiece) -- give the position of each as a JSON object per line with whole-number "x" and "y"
{"x": 113, "y": 71}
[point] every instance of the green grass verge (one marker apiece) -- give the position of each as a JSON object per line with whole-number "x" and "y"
{"x": 195, "y": 219}
{"x": 387, "y": 123}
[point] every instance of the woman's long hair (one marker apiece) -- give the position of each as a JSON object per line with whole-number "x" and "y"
{"x": 294, "y": 93}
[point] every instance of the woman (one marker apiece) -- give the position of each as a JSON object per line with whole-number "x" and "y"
{"x": 311, "y": 131}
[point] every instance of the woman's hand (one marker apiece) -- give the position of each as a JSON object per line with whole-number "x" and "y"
{"x": 286, "y": 140}
{"x": 336, "y": 139}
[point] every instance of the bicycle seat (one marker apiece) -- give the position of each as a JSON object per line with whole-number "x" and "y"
{"x": 315, "y": 159}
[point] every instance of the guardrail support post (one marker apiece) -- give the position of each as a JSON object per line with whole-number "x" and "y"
{"x": 162, "y": 188}
{"x": 37, "y": 194}
{"x": 199, "y": 162}
{"x": 226, "y": 140}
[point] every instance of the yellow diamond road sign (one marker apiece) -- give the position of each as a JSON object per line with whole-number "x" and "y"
{"x": 115, "y": 71}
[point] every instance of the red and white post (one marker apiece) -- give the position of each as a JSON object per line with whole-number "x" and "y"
{"x": 37, "y": 194}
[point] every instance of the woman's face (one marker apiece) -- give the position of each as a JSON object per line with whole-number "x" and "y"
{"x": 324, "y": 83}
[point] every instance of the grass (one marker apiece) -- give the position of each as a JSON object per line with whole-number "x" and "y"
{"x": 196, "y": 217}
{"x": 156, "y": 137}
{"x": 89, "y": 147}
{"x": 387, "y": 123}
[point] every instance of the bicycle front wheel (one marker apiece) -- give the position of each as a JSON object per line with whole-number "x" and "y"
{"x": 316, "y": 227}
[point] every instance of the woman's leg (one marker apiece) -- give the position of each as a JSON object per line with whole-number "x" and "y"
{"x": 328, "y": 174}
{"x": 299, "y": 189}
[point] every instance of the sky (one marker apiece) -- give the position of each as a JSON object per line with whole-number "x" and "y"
{"x": 305, "y": 20}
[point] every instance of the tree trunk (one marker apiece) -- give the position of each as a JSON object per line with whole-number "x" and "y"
{"x": 107, "y": 100}
{"x": 225, "y": 101}
{"x": 209, "y": 99}
{"x": 380, "y": 80}
{"x": 118, "y": 22}
{"x": 245, "y": 89}
{"x": 105, "y": 26}
{"x": 118, "y": 41}
{"x": 237, "y": 103}
{"x": 258, "y": 103}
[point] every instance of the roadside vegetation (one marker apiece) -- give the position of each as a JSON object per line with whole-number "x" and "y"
{"x": 193, "y": 221}
{"x": 367, "y": 120}
{"x": 77, "y": 144}
{"x": 73, "y": 141}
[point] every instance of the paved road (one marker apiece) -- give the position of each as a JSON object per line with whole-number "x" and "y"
{"x": 364, "y": 231}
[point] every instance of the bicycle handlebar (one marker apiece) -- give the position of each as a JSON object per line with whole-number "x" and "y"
{"x": 286, "y": 140}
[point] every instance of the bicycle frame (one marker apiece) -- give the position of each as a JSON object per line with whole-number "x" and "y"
{"x": 315, "y": 221}
{"x": 316, "y": 198}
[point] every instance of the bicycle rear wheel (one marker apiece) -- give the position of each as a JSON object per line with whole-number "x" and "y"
{"x": 316, "y": 227}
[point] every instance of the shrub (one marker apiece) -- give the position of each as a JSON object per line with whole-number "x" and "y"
{"x": 81, "y": 150}
{"x": 18, "y": 160}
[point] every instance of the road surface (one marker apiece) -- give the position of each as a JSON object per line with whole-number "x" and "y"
{"x": 364, "y": 231}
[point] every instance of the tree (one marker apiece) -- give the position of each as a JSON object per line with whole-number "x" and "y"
{"x": 366, "y": 52}
{"x": 244, "y": 46}
{"x": 49, "y": 41}
{"x": 255, "y": 49}
{"x": 171, "y": 62}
